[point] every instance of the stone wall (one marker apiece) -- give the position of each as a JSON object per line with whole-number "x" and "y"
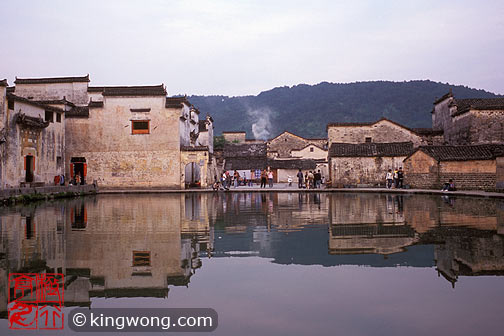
{"x": 382, "y": 131}
{"x": 116, "y": 157}
{"x": 361, "y": 170}
{"x": 424, "y": 172}
{"x": 486, "y": 127}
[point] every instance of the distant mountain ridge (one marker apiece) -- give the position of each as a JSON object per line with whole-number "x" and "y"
{"x": 305, "y": 110}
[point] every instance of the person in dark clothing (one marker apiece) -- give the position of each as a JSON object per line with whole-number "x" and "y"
{"x": 263, "y": 178}
{"x": 300, "y": 179}
{"x": 400, "y": 178}
{"x": 317, "y": 179}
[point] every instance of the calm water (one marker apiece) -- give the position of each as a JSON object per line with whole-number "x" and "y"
{"x": 273, "y": 264}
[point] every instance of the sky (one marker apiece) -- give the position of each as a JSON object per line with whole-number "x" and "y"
{"x": 244, "y": 47}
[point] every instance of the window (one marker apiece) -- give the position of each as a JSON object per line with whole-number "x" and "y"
{"x": 311, "y": 149}
{"x": 49, "y": 116}
{"x": 10, "y": 104}
{"x": 141, "y": 258}
{"x": 58, "y": 117}
{"x": 140, "y": 127}
{"x": 368, "y": 139}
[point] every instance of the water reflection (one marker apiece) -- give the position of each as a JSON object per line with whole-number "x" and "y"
{"x": 139, "y": 246}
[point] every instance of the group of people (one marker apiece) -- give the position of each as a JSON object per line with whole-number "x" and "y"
{"x": 266, "y": 176}
{"x": 394, "y": 179}
{"x": 310, "y": 180}
{"x": 227, "y": 180}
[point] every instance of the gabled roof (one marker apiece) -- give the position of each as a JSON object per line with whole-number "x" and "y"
{"x": 462, "y": 153}
{"x": 11, "y": 96}
{"x": 308, "y": 145}
{"x": 464, "y": 105}
{"x": 446, "y": 96}
{"x": 52, "y": 80}
{"x": 3, "y": 82}
{"x": 370, "y": 149}
{"x": 361, "y": 124}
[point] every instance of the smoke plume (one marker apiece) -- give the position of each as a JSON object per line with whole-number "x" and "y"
{"x": 261, "y": 123}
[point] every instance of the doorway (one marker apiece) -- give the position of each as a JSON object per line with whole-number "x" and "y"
{"x": 29, "y": 168}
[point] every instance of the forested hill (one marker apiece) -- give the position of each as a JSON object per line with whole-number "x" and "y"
{"x": 305, "y": 110}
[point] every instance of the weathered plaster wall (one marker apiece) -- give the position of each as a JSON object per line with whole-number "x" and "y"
{"x": 118, "y": 158}
{"x": 362, "y": 170}
{"x": 381, "y": 132}
{"x": 234, "y": 136}
{"x": 45, "y": 145}
{"x": 74, "y": 92}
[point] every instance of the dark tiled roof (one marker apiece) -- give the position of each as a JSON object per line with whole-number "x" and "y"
{"x": 95, "y": 104}
{"x": 3, "y": 82}
{"x": 439, "y": 100}
{"x": 28, "y": 121}
{"x": 245, "y": 163}
{"x": 176, "y": 102}
{"x": 245, "y": 150}
{"x": 292, "y": 164}
{"x": 463, "y": 153}
{"x": 121, "y": 91}
{"x": 50, "y": 80}
{"x": 194, "y": 149}
{"x": 12, "y": 96}
{"x": 464, "y": 105}
{"x": 427, "y": 131}
{"x": 95, "y": 88}
{"x": 371, "y": 149}
{"x": 56, "y": 102}
{"x": 78, "y": 112}
{"x": 11, "y": 89}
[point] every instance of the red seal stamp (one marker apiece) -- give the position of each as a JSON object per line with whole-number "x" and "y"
{"x": 36, "y": 300}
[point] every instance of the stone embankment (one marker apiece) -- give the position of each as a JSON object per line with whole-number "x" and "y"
{"x": 30, "y": 194}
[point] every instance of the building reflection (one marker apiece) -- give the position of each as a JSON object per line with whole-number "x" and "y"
{"x": 104, "y": 248}
{"x": 130, "y": 246}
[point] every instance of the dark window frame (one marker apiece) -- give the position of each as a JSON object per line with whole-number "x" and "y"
{"x": 58, "y": 117}
{"x": 49, "y": 116}
{"x": 136, "y": 130}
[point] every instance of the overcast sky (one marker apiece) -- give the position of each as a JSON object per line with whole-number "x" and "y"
{"x": 245, "y": 47}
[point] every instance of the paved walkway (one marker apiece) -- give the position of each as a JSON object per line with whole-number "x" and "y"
{"x": 284, "y": 187}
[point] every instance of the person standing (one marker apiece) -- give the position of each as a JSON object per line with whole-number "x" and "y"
{"x": 389, "y": 179}
{"x": 400, "y": 178}
{"x": 311, "y": 179}
{"x": 236, "y": 177}
{"x": 270, "y": 178}
{"x": 396, "y": 178}
{"x": 318, "y": 179}
{"x": 263, "y": 178}
{"x": 300, "y": 179}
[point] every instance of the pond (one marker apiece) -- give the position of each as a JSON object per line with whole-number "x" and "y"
{"x": 271, "y": 263}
